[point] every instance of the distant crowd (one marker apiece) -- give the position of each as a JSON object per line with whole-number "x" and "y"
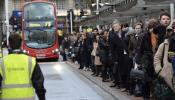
{"x": 138, "y": 59}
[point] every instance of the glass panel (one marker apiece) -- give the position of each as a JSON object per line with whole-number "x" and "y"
{"x": 39, "y": 11}
{"x": 39, "y": 38}
{"x": 39, "y": 25}
{"x": 61, "y": 4}
{"x": 17, "y": 4}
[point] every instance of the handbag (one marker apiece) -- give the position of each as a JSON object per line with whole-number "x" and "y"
{"x": 162, "y": 91}
{"x": 137, "y": 79}
{"x": 137, "y": 74}
{"x": 93, "y": 52}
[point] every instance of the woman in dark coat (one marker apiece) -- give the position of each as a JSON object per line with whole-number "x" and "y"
{"x": 104, "y": 51}
{"x": 80, "y": 51}
{"x": 65, "y": 46}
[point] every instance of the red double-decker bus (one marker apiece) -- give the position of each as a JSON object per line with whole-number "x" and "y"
{"x": 39, "y": 29}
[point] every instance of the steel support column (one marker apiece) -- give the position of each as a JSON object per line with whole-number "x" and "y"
{"x": 172, "y": 11}
{"x": 7, "y": 20}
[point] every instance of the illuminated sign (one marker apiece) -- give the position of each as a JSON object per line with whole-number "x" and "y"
{"x": 39, "y": 24}
{"x": 34, "y": 25}
{"x": 47, "y": 24}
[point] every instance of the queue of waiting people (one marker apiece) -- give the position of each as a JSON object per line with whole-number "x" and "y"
{"x": 140, "y": 61}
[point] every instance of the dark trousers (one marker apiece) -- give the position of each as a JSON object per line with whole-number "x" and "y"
{"x": 87, "y": 61}
{"x": 92, "y": 63}
{"x": 117, "y": 73}
{"x": 98, "y": 69}
{"x": 104, "y": 72}
{"x": 146, "y": 89}
{"x": 64, "y": 56}
{"x": 81, "y": 65}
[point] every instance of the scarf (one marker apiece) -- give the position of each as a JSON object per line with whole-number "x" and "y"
{"x": 154, "y": 40}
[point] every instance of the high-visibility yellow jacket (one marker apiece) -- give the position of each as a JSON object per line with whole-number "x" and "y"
{"x": 16, "y": 71}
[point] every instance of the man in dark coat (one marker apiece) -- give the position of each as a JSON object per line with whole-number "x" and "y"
{"x": 119, "y": 52}
{"x": 164, "y": 20}
{"x": 149, "y": 43}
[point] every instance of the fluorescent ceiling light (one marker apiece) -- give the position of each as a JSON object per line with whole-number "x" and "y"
{"x": 107, "y": 3}
{"x": 93, "y": 4}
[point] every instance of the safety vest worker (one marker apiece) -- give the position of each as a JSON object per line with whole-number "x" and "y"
{"x": 20, "y": 74}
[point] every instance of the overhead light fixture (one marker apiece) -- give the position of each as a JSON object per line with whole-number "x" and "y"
{"x": 107, "y": 3}
{"x": 93, "y": 4}
{"x": 101, "y": 4}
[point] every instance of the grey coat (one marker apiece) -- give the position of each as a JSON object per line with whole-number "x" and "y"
{"x": 166, "y": 72}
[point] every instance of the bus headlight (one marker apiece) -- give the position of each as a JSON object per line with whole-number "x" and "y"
{"x": 55, "y": 51}
{"x": 24, "y": 51}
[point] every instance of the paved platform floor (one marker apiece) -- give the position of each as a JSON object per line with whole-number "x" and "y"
{"x": 64, "y": 83}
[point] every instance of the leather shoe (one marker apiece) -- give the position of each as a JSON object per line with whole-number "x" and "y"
{"x": 123, "y": 90}
{"x": 104, "y": 80}
{"x": 93, "y": 74}
{"x": 113, "y": 85}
